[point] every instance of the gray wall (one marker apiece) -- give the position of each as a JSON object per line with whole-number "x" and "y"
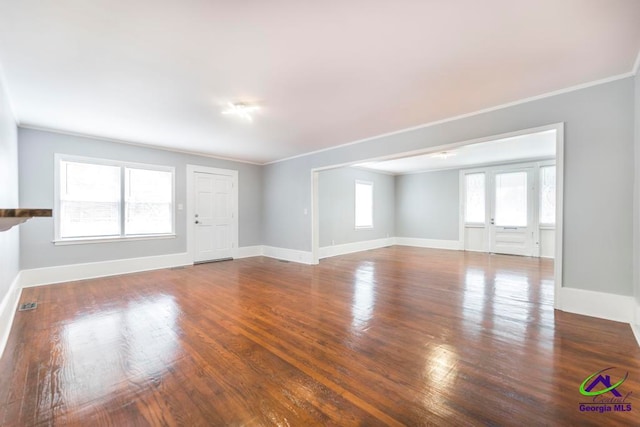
{"x": 336, "y": 194}
{"x": 36, "y": 156}
{"x": 427, "y": 205}
{"x": 9, "y": 240}
{"x": 599, "y": 175}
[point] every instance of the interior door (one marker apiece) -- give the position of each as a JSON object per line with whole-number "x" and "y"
{"x": 213, "y": 221}
{"x": 511, "y": 222}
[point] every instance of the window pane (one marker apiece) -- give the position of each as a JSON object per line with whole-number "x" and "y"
{"x": 364, "y": 204}
{"x": 474, "y": 206}
{"x": 511, "y": 199}
{"x": 149, "y": 201}
{"x": 89, "y": 200}
{"x": 548, "y": 195}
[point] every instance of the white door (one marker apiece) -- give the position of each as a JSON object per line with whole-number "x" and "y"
{"x": 512, "y": 224}
{"x": 213, "y": 217}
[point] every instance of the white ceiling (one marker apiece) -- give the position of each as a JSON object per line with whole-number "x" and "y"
{"x": 541, "y": 145}
{"x": 325, "y": 73}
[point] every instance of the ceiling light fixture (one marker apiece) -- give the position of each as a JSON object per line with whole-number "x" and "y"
{"x": 443, "y": 155}
{"x": 241, "y": 109}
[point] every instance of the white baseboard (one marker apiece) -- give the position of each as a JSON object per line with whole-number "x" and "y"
{"x": 8, "y": 307}
{"x": 67, "y": 273}
{"x": 349, "y": 248}
{"x": 248, "y": 251}
{"x": 428, "y": 243}
{"x": 636, "y": 331}
{"x": 302, "y": 257}
{"x": 597, "y": 304}
{"x": 635, "y": 325}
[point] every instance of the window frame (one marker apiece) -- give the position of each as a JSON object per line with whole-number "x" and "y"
{"x": 545, "y": 225}
{"x": 355, "y": 205}
{"x": 58, "y": 240}
{"x": 464, "y": 203}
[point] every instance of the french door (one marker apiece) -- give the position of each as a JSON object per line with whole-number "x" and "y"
{"x": 512, "y": 223}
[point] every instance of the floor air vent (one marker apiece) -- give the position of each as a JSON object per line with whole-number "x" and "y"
{"x": 28, "y": 306}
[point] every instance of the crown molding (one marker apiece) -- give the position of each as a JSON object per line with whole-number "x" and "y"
{"x": 464, "y": 116}
{"x": 136, "y": 144}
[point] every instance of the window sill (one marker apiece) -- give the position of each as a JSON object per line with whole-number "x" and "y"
{"x": 90, "y": 240}
{"x": 364, "y": 228}
{"x": 474, "y": 225}
{"x": 547, "y": 227}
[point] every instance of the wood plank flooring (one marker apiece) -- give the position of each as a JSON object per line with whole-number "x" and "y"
{"x": 394, "y": 336}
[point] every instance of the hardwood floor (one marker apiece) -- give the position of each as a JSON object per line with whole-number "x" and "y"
{"x": 392, "y": 336}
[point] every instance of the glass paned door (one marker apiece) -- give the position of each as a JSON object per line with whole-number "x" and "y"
{"x": 511, "y": 224}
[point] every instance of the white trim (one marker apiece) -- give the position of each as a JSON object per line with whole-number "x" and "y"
{"x": 315, "y": 218}
{"x": 302, "y": 257}
{"x": 635, "y": 328}
{"x": 135, "y": 144}
{"x": 635, "y": 324}
{"x": 191, "y": 169}
{"x": 8, "y": 307}
{"x": 88, "y": 240}
{"x": 598, "y": 304}
{"x": 558, "y": 250}
{"x": 58, "y": 158}
{"x": 463, "y": 116}
{"x": 68, "y": 273}
{"x": 349, "y": 248}
{"x": 636, "y": 65}
{"x": 453, "y": 245}
{"x": 248, "y": 252}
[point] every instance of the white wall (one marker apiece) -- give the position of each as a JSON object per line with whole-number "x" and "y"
{"x": 9, "y": 240}
{"x": 36, "y": 155}
{"x": 336, "y": 193}
{"x": 599, "y": 175}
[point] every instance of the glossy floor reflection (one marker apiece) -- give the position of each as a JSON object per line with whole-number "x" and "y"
{"x": 386, "y": 337}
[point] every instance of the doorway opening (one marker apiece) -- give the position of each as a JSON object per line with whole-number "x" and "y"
{"x": 507, "y": 175}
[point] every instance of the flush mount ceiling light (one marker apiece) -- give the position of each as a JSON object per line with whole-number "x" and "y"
{"x": 443, "y": 155}
{"x": 241, "y": 109}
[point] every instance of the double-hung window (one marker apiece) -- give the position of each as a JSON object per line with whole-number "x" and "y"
{"x": 109, "y": 200}
{"x": 474, "y": 212}
{"x": 364, "y": 204}
{"x": 548, "y": 196}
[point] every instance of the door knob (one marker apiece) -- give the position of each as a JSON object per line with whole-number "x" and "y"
{"x": 197, "y": 222}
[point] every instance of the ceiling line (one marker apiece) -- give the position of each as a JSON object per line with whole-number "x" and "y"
{"x": 136, "y": 144}
{"x": 466, "y": 115}
{"x": 475, "y": 165}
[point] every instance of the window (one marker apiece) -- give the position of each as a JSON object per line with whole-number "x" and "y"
{"x": 511, "y": 199}
{"x": 474, "y": 205}
{"x": 102, "y": 199}
{"x": 548, "y": 195}
{"x": 364, "y": 204}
